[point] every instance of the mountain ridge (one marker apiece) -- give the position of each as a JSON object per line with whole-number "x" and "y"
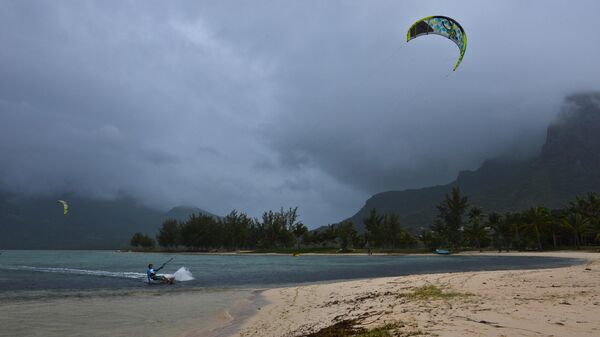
{"x": 568, "y": 165}
{"x": 39, "y": 223}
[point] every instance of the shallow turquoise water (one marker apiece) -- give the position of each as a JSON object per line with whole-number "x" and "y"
{"x": 22, "y": 271}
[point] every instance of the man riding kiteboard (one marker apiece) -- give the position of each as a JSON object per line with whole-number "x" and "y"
{"x": 152, "y": 275}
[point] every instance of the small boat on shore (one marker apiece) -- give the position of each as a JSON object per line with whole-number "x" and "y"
{"x": 443, "y": 252}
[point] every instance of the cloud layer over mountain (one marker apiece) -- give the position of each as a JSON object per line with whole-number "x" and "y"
{"x": 262, "y": 104}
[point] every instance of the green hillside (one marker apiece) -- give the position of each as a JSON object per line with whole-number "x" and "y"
{"x": 38, "y": 223}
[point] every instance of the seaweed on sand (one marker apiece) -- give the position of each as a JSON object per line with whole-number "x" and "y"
{"x": 345, "y": 328}
{"x": 349, "y": 328}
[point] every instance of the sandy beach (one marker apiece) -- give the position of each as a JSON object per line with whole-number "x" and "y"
{"x": 540, "y": 302}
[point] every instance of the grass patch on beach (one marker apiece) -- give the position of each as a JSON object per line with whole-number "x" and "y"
{"x": 430, "y": 291}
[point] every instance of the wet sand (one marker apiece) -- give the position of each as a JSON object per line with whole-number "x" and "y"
{"x": 148, "y": 314}
{"x": 539, "y": 302}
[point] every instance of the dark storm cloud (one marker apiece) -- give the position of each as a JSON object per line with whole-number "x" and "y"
{"x": 262, "y": 104}
{"x": 379, "y": 124}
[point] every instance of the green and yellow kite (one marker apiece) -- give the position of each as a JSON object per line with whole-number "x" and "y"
{"x": 440, "y": 25}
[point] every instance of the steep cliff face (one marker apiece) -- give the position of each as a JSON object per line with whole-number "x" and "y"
{"x": 568, "y": 166}
{"x": 574, "y": 139}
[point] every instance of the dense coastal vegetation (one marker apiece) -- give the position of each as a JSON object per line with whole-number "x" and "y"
{"x": 458, "y": 225}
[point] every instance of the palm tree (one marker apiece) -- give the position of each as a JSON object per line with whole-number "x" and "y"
{"x": 395, "y": 234}
{"x": 511, "y": 224}
{"x": 555, "y": 225}
{"x": 450, "y": 216}
{"x": 577, "y": 224}
{"x": 589, "y": 207}
{"x": 375, "y": 229}
{"x": 299, "y": 229}
{"x": 346, "y": 233}
{"x": 536, "y": 220}
{"x": 474, "y": 231}
{"x": 500, "y": 229}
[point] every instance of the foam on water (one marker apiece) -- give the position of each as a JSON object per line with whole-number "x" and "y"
{"x": 100, "y": 273}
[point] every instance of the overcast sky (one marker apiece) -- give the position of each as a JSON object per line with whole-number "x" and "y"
{"x": 255, "y": 105}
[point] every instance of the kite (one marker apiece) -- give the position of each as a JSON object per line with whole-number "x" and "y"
{"x": 65, "y": 206}
{"x": 440, "y": 25}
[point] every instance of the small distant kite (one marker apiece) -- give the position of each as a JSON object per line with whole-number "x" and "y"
{"x": 440, "y": 25}
{"x": 64, "y": 205}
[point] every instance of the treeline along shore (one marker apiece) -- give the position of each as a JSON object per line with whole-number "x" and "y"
{"x": 458, "y": 226}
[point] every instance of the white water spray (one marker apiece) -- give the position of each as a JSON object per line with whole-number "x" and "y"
{"x": 183, "y": 274}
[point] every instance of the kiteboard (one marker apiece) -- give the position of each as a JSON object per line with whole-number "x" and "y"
{"x": 164, "y": 279}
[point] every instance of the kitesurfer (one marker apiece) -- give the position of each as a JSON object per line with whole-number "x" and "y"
{"x": 152, "y": 276}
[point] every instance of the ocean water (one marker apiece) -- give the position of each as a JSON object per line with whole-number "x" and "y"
{"x": 104, "y": 293}
{"x": 23, "y": 271}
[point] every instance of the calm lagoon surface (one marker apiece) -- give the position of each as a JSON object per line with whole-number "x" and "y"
{"x": 102, "y": 293}
{"x": 24, "y": 271}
